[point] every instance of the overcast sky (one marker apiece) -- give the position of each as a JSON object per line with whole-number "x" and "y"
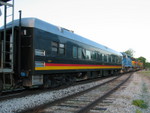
{"x": 118, "y": 24}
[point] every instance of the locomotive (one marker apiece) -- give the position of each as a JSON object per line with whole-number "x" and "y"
{"x": 126, "y": 62}
{"x": 47, "y": 55}
{"x": 130, "y": 64}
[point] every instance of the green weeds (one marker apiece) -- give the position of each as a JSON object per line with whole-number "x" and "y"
{"x": 138, "y": 111}
{"x": 140, "y": 103}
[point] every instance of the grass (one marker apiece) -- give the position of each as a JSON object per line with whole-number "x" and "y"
{"x": 145, "y": 74}
{"x": 140, "y": 103}
{"x": 138, "y": 111}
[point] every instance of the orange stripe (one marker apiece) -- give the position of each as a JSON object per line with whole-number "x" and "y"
{"x": 74, "y": 66}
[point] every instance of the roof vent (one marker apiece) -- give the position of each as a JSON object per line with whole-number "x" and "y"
{"x": 61, "y": 29}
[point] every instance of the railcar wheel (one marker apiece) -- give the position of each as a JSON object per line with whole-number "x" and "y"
{"x": 48, "y": 84}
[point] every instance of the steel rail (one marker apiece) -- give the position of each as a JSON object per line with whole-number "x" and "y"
{"x": 38, "y": 108}
{"x": 91, "y": 105}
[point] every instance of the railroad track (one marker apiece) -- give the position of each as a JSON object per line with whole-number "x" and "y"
{"x": 89, "y": 100}
{"x": 18, "y": 93}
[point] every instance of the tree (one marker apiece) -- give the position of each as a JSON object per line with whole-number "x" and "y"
{"x": 147, "y": 64}
{"x": 130, "y": 52}
{"x": 142, "y": 59}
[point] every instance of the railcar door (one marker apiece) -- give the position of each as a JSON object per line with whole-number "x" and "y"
{"x": 26, "y": 51}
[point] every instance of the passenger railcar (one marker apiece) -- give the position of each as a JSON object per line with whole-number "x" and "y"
{"x": 49, "y": 55}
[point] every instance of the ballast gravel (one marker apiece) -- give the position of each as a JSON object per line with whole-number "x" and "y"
{"x": 122, "y": 103}
{"x": 133, "y": 91}
{"x": 20, "y": 104}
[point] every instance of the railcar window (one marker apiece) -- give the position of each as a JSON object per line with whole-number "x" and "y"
{"x": 54, "y": 44}
{"x": 119, "y": 59}
{"x": 105, "y": 58}
{"x": 61, "y": 51}
{"x": 55, "y": 47}
{"x": 75, "y": 52}
{"x": 39, "y": 52}
{"x": 110, "y": 59}
{"x": 61, "y": 45}
{"x": 83, "y": 54}
{"x": 94, "y": 55}
{"x": 80, "y": 53}
{"x": 88, "y": 55}
{"x": 113, "y": 59}
{"x": 61, "y": 48}
{"x": 99, "y": 56}
{"x": 102, "y": 57}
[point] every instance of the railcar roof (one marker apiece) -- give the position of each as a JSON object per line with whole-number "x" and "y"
{"x": 37, "y": 23}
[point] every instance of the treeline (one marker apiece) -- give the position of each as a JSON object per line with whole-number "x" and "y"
{"x": 147, "y": 65}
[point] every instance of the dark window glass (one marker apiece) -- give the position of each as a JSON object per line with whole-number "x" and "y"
{"x": 113, "y": 59}
{"x": 94, "y": 56}
{"x": 83, "y": 54}
{"x": 74, "y": 52}
{"x": 61, "y": 48}
{"x": 100, "y": 56}
{"x": 80, "y": 53}
{"x": 110, "y": 59}
{"x": 105, "y": 58}
{"x": 54, "y": 44}
{"x": 88, "y": 54}
{"x": 61, "y": 45}
{"x": 54, "y": 47}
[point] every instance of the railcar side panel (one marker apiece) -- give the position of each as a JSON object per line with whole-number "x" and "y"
{"x": 52, "y": 58}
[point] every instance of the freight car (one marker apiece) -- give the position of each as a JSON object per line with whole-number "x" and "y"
{"x": 48, "y": 55}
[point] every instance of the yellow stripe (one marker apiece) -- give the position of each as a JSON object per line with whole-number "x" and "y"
{"x": 75, "y": 67}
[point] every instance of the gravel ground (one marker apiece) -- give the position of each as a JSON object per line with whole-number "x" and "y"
{"x": 123, "y": 103}
{"x": 19, "y": 104}
{"x": 137, "y": 88}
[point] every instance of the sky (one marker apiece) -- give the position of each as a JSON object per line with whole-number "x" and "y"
{"x": 117, "y": 24}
